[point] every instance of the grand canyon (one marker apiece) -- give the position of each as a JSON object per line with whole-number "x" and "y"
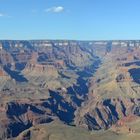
{"x": 67, "y": 89}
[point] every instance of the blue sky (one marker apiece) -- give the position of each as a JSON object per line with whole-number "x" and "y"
{"x": 70, "y": 19}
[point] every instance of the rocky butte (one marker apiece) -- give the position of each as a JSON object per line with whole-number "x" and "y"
{"x": 66, "y": 89}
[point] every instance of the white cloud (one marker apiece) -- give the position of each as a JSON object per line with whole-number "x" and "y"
{"x": 2, "y": 15}
{"x": 56, "y": 9}
{"x": 5, "y": 15}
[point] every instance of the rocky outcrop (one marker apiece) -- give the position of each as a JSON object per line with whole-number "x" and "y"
{"x": 17, "y": 116}
{"x": 103, "y": 114}
{"x": 113, "y": 92}
{"x": 55, "y": 130}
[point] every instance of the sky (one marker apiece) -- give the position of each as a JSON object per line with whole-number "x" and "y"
{"x": 70, "y": 19}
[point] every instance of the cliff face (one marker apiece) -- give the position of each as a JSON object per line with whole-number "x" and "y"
{"x": 91, "y": 84}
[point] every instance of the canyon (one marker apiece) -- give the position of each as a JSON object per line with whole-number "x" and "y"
{"x": 59, "y": 88}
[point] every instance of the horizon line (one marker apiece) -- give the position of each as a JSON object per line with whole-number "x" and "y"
{"x": 69, "y": 39}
